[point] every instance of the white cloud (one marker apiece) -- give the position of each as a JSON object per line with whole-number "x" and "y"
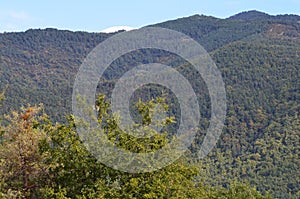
{"x": 9, "y": 26}
{"x": 15, "y": 20}
{"x": 117, "y": 28}
{"x": 19, "y": 15}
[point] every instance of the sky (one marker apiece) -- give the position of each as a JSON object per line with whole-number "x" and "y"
{"x": 96, "y": 15}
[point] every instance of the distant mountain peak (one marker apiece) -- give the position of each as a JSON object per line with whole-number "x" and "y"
{"x": 250, "y": 15}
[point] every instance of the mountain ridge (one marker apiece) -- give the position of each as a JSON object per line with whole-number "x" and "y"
{"x": 254, "y": 14}
{"x": 244, "y": 16}
{"x": 250, "y": 15}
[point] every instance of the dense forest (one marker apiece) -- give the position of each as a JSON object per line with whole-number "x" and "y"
{"x": 257, "y": 155}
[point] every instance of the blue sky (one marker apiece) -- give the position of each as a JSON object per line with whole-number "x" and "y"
{"x": 96, "y": 15}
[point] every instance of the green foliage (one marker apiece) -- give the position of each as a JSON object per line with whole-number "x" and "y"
{"x": 42, "y": 160}
{"x": 146, "y": 112}
{"x": 1, "y": 98}
{"x": 240, "y": 191}
{"x": 2, "y": 95}
{"x": 23, "y": 171}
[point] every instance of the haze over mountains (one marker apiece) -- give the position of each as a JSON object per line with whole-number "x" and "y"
{"x": 257, "y": 54}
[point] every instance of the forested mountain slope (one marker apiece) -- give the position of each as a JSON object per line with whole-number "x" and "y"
{"x": 258, "y": 56}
